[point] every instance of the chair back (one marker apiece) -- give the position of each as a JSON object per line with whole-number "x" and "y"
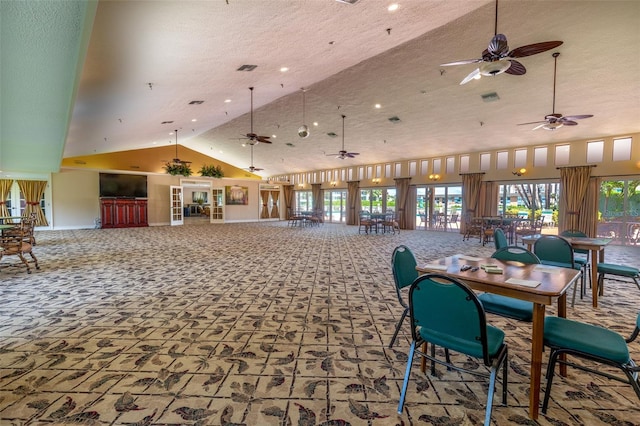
{"x": 447, "y": 313}
{"x": 499, "y": 239}
{"x": 578, "y": 234}
{"x": 403, "y": 264}
{"x": 554, "y": 250}
{"x": 517, "y": 254}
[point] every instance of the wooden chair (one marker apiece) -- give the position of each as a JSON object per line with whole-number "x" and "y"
{"x": 17, "y": 246}
{"x": 364, "y": 223}
{"x": 24, "y": 230}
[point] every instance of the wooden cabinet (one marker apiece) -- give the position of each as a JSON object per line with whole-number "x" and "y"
{"x": 123, "y": 212}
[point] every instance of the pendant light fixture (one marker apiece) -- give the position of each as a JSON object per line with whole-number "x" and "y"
{"x": 303, "y": 131}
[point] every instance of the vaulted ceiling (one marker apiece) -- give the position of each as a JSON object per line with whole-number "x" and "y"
{"x": 81, "y": 80}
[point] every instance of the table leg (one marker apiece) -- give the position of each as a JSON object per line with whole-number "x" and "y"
{"x": 562, "y": 313}
{"x": 594, "y": 274}
{"x": 536, "y": 359}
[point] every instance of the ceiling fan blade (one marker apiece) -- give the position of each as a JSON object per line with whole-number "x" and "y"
{"x": 516, "y": 68}
{"x": 539, "y": 126}
{"x": 263, "y": 139}
{"x": 352, "y": 154}
{"x": 575, "y": 117}
{"x": 475, "y": 74}
{"x": 498, "y": 45}
{"x": 534, "y": 122}
{"x": 464, "y": 62}
{"x": 533, "y": 49}
{"x": 567, "y": 122}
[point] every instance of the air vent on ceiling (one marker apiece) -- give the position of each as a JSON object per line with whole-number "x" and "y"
{"x": 348, "y": 1}
{"x": 289, "y": 144}
{"x": 490, "y": 97}
{"x": 332, "y": 134}
{"x": 80, "y": 162}
{"x": 394, "y": 119}
{"x": 247, "y": 68}
{"x": 167, "y": 122}
{"x": 196, "y": 102}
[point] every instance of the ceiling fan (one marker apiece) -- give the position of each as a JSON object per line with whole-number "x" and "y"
{"x": 177, "y": 161}
{"x": 251, "y": 168}
{"x": 254, "y": 138}
{"x": 497, "y": 58}
{"x": 555, "y": 120}
{"x": 342, "y": 154}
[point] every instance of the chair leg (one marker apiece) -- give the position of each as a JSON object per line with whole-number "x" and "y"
{"x": 395, "y": 334}
{"x": 550, "y": 371}
{"x": 407, "y": 373}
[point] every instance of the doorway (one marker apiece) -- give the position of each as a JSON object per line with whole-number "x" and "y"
{"x": 335, "y": 206}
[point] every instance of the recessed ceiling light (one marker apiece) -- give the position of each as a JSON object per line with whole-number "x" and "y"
{"x": 284, "y": 69}
{"x": 393, "y": 7}
{"x": 194, "y": 119}
{"x": 378, "y": 106}
{"x": 315, "y": 123}
{"x": 226, "y": 101}
{"x": 274, "y": 136}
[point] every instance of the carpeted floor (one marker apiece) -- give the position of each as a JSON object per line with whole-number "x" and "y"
{"x": 257, "y": 324}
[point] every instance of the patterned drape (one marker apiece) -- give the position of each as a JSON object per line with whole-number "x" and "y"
{"x": 471, "y": 184}
{"x": 402, "y": 196}
{"x": 287, "y": 192}
{"x": 5, "y": 187}
{"x": 574, "y": 182}
{"x": 353, "y": 202}
{"x": 275, "y": 212}
{"x": 264, "y": 196}
{"x": 32, "y": 191}
{"x": 410, "y": 209}
{"x": 316, "y": 195}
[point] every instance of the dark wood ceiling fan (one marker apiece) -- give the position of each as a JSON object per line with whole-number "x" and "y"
{"x": 176, "y": 160}
{"x": 342, "y": 154}
{"x": 251, "y": 168}
{"x": 556, "y": 120}
{"x": 253, "y": 137}
{"x": 497, "y": 58}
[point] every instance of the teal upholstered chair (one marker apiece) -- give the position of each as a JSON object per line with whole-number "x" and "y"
{"x": 582, "y": 257}
{"x": 403, "y": 265}
{"x": 508, "y": 306}
{"x": 574, "y": 338}
{"x": 447, "y": 313}
{"x": 618, "y": 271}
{"x": 556, "y": 251}
{"x": 499, "y": 239}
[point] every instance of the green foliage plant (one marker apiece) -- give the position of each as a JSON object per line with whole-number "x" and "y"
{"x": 211, "y": 171}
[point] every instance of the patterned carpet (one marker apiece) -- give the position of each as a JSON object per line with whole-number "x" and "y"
{"x": 256, "y": 324}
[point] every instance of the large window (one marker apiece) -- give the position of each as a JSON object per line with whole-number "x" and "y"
{"x": 304, "y": 201}
{"x": 619, "y": 210}
{"x": 524, "y": 198}
{"x": 335, "y": 206}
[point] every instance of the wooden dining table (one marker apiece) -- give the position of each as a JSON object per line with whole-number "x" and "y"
{"x": 540, "y": 284}
{"x": 594, "y": 245}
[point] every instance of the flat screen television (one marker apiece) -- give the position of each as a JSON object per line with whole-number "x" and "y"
{"x": 123, "y": 185}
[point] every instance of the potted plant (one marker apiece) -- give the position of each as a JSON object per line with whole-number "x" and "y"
{"x": 178, "y": 169}
{"x": 211, "y": 171}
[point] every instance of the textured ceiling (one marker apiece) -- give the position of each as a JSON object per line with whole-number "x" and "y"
{"x": 348, "y": 60}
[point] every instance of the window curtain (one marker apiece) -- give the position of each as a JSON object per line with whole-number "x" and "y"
{"x": 402, "y": 194}
{"x": 316, "y": 195}
{"x": 264, "y": 196}
{"x": 275, "y": 212}
{"x": 5, "y": 187}
{"x": 353, "y": 202}
{"x": 471, "y": 184}
{"x": 589, "y": 217}
{"x": 410, "y": 209}
{"x": 488, "y": 203}
{"x": 33, "y": 191}
{"x": 287, "y": 192}
{"x": 574, "y": 182}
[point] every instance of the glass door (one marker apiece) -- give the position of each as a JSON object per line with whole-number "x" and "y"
{"x": 335, "y": 206}
{"x": 176, "y": 205}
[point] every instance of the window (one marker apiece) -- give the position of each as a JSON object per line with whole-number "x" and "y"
{"x": 595, "y": 151}
{"x": 622, "y": 149}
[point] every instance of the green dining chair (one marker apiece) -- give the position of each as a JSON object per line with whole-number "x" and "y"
{"x": 447, "y": 313}
{"x": 591, "y": 342}
{"x": 499, "y": 239}
{"x": 583, "y": 255}
{"x": 556, "y": 251}
{"x": 403, "y": 265}
{"x": 505, "y": 306}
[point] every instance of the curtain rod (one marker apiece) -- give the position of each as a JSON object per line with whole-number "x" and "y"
{"x": 477, "y": 173}
{"x": 573, "y": 167}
